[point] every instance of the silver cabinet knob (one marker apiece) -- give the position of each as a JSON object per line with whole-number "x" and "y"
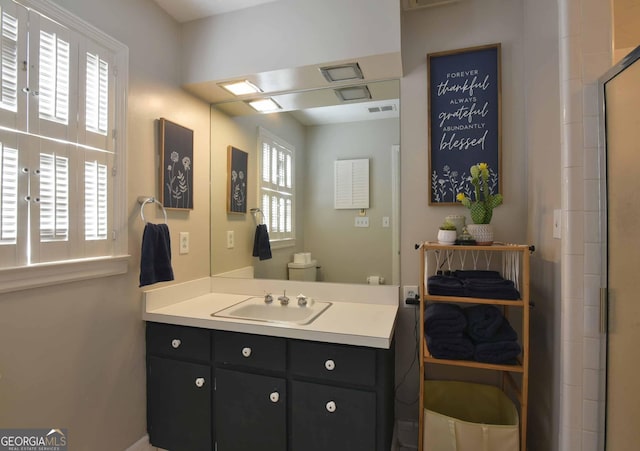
{"x": 200, "y": 382}
{"x": 246, "y": 352}
{"x": 274, "y": 397}
{"x": 331, "y": 406}
{"x": 175, "y": 343}
{"x": 330, "y": 365}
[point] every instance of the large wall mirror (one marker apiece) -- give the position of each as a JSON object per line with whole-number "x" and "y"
{"x": 322, "y": 129}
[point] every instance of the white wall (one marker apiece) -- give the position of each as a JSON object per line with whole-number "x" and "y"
{"x": 259, "y": 39}
{"x": 73, "y": 354}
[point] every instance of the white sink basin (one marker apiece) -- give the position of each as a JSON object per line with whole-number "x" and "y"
{"x": 255, "y": 309}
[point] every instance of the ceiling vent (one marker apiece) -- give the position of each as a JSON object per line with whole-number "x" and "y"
{"x": 382, "y": 109}
{"x": 418, "y": 4}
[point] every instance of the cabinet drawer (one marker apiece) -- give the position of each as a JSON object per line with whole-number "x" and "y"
{"x": 255, "y": 351}
{"x": 338, "y": 363}
{"x": 178, "y": 341}
{"x": 331, "y": 418}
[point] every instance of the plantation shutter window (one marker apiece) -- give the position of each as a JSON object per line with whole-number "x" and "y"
{"x": 8, "y": 194}
{"x": 62, "y": 163}
{"x": 54, "y": 197}
{"x": 97, "y": 94}
{"x": 9, "y": 62}
{"x": 276, "y": 187}
{"x": 54, "y": 78}
{"x": 95, "y": 200}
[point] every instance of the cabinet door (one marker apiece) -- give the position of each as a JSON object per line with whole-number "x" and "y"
{"x": 250, "y": 412}
{"x": 179, "y": 405}
{"x": 331, "y": 418}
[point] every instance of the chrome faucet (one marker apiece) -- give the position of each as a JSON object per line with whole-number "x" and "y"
{"x": 284, "y": 300}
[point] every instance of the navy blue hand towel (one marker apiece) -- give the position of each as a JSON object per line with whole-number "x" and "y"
{"x": 445, "y": 286}
{"x": 155, "y": 258}
{"x": 261, "y": 246}
{"x": 444, "y": 320}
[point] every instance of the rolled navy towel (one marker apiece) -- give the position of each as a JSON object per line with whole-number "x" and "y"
{"x": 451, "y": 348}
{"x": 483, "y": 321}
{"x": 444, "y": 320}
{"x": 498, "y": 352}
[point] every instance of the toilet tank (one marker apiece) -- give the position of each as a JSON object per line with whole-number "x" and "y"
{"x": 303, "y": 271}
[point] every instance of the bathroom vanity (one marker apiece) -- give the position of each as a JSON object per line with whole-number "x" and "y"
{"x": 232, "y": 384}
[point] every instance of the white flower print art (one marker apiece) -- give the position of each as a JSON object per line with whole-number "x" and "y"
{"x": 177, "y": 173}
{"x": 237, "y": 185}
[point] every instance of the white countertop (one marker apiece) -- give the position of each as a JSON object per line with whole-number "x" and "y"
{"x": 355, "y": 323}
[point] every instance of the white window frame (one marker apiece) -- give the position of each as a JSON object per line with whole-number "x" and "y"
{"x": 277, "y": 240}
{"x": 116, "y": 260}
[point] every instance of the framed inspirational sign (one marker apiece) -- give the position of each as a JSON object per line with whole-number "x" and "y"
{"x": 464, "y": 119}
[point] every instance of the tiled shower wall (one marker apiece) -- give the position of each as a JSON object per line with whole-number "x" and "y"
{"x": 585, "y": 55}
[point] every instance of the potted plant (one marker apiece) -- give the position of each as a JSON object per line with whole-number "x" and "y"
{"x": 481, "y": 207}
{"x": 447, "y": 233}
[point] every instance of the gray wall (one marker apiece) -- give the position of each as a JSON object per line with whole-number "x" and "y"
{"x": 347, "y": 253}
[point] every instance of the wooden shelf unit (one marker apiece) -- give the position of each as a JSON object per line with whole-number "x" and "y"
{"x": 519, "y": 390}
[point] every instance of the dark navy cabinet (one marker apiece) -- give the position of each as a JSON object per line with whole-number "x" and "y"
{"x": 179, "y": 389}
{"x": 266, "y": 393}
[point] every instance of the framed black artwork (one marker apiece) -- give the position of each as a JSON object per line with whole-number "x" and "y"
{"x": 176, "y": 165}
{"x": 464, "y": 119}
{"x": 237, "y": 161}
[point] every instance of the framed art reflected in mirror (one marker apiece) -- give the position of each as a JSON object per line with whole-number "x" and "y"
{"x": 236, "y": 180}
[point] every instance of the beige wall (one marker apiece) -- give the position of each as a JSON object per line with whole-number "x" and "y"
{"x": 242, "y": 133}
{"x": 73, "y": 354}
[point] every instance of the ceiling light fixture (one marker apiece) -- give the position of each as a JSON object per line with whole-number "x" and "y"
{"x": 353, "y": 93}
{"x": 264, "y": 105}
{"x": 240, "y": 87}
{"x": 342, "y": 72}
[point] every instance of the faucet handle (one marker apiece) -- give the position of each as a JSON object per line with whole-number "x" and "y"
{"x": 268, "y": 298}
{"x": 302, "y": 300}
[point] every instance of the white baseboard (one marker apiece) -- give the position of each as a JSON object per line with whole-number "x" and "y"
{"x": 142, "y": 445}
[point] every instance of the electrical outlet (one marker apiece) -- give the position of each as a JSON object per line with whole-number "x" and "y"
{"x": 409, "y": 292}
{"x": 231, "y": 239}
{"x": 385, "y": 221}
{"x": 184, "y": 242}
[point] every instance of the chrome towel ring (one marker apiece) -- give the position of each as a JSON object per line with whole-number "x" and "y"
{"x": 146, "y": 200}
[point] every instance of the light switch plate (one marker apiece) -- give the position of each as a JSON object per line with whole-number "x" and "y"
{"x": 362, "y": 221}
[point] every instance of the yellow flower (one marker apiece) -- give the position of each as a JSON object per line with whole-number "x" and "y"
{"x": 483, "y": 166}
{"x": 460, "y": 197}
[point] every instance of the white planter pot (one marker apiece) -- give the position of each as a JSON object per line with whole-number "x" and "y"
{"x": 447, "y": 236}
{"x": 481, "y": 233}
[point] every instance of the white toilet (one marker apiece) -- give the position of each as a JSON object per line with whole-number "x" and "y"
{"x": 303, "y": 271}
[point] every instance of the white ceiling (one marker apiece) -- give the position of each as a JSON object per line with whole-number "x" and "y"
{"x": 187, "y": 10}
